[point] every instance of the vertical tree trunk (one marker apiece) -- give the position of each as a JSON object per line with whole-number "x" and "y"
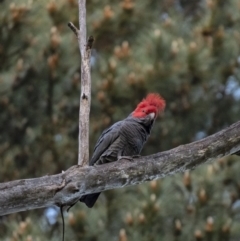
{"x": 85, "y": 97}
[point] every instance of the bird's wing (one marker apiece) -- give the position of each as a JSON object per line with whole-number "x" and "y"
{"x": 105, "y": 140}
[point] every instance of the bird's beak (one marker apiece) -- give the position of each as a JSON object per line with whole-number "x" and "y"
{"x": 152, "y": 115}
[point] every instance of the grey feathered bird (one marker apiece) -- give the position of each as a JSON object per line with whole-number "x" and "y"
{"x": 126, "y": 137}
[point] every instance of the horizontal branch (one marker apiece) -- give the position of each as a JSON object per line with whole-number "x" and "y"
{"x": 65, "y": 188}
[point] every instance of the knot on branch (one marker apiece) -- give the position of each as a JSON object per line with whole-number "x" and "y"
{"x": 67, "y": 195}
{"x": 84, "y": 96}
{"x": 89, "y": 43}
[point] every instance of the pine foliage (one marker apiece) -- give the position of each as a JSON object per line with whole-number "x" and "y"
{"x": 188, "y": 51}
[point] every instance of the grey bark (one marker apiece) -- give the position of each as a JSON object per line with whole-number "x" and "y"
{"x": 85, "y": 97}
{"x": 65, "y": 188}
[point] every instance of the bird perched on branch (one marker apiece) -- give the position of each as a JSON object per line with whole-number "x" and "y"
{"x": 126, "y": 137}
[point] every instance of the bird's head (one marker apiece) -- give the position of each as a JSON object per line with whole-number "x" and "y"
{"x": 150, "y": 106}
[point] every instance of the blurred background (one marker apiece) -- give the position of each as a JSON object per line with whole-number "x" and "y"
{"x": 188, "y": 51}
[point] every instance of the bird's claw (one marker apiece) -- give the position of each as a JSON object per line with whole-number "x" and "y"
{"x": 136, "y": 156}
{"x": 129, "y": 158}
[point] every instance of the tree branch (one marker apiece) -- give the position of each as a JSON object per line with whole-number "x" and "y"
{"x": 65, "y": 188}
{"x": 85, "y": 98}
{"x": 73, "y": 28}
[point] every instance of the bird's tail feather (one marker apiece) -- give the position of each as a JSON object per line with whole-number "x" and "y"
{"x": 90, "y": 199}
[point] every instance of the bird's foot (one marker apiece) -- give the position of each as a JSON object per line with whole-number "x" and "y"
{"x": 136, "y": 156}
{"x": 129, "y": 158}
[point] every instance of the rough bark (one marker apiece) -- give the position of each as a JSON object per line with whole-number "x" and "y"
{"x": 64, "y": 188}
